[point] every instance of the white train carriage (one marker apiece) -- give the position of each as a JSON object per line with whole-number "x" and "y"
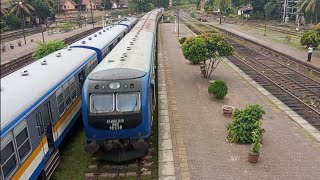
{"x": 39, "y": 105}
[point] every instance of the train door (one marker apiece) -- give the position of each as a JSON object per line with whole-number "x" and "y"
{"x": 48, "y": 121}
{"x": 82, "y": 78}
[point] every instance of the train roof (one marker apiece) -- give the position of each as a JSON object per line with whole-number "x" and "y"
{"x": 20, "y": 94}
{"x": 135, "y": 65}
{"x": 101, "y": 38}
{"x": 138, "y": 26}
{"x": 127, "y": 21}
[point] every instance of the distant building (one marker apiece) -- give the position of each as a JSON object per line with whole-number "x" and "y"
{"x": 121, "y": 5}
{"x": 89, "y": 4}
{"x": 245, "y": 11}
{"x": 67, "y": 5}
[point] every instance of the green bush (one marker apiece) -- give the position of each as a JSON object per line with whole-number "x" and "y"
{"x": 219, "y": 89}
{"x": 257, "y": 135}
{"x": 192, "y": 15}
{"x": 43, "y": 49}
{"x": 182, "y": 40}
{"x": 317, "y": 28}
{"x": 195, "y": 50}
{"x": 244, "y": 122}
{"x": 13, "y": 21}
{"x": 310, "y": 38}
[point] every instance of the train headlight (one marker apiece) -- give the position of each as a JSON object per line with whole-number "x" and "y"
{"x": 114, "y": 85}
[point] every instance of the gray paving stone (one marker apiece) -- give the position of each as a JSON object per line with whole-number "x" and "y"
{"x": 166, "y": 156}
{"x": 166, "y": 169}
{"x": 165, "y": 144}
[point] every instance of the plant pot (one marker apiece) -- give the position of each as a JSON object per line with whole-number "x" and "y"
{"x": 227, "y": 110}
{"x": 12, "y": 47}
{"x": 19, "y": 44}
{"x": 253, "y": 158}
{"x": 3, "y": 50}
{"x": 31, "y": 40}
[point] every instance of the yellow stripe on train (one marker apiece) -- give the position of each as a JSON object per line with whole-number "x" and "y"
{"x": 32, "y": 162}
{"x": 64, "y": 121}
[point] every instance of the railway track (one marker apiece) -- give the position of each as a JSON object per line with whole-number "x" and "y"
{"x": 290, "y": 84}
{"x": 18, "y": 63}
{"x": 5, "y": 37}
{"x": 272, "y": 27}
{"x": 137, "y": 169}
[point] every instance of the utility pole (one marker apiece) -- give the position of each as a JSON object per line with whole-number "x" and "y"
{"x": 178, "y": 17}
{"x": 92, "y": 16}
{"x": 284, "y": 10}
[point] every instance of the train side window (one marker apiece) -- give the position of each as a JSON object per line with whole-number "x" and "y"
{"x": 118, "y": 40}
{"x": 81, "y": 78}
{"x": 8, "y": 157}
{"x": 60, "y": 101}
{"x": 23, "y": 144}
{"x": 40, "y": 124}
{"x": 73, "y": 89}
{"x": 66, "y": 94}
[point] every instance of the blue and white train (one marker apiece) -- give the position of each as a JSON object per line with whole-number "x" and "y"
{"x": 106, "y": 39}
{"x": 42, "y": 101}
{"x": 118, "y": 95}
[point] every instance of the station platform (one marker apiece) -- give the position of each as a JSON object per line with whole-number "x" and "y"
{"x": 257, "y": 36}
{"x": 19, "y": 51}
{"x": 192, "y": 129}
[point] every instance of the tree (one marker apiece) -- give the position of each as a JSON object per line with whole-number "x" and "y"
{"x": 44, "y": 49}
{"x": 4, "y": 12}
{"x": 207, "y": 49}
{"x": 310, "y": 7}
{"x": 22, "y": 9}
{"x": 43, "y": 9}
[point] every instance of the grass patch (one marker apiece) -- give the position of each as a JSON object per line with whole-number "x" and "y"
{"x": 74, "y": 160}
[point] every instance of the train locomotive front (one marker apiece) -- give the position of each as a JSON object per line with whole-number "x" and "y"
{"x": 118, "y": 97}
{"x": 118, "y": 101}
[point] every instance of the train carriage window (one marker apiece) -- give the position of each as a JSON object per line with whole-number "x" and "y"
{"x": 101, "y": 103}
{"x": 73, "y": 89}
{"x": 8, "y": 159}
{"x": 66, "y": 92}
{"x": 128, "y": 102}
{"x": 60, "y": 101}
{"x": 23, "y": 144}
{"x": 39, "y": 124}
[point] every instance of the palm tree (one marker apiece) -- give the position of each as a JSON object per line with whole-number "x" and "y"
{"x": 22, "y": 8}
{"x": 4, "y": 12}
{"x": 310, "y": 6}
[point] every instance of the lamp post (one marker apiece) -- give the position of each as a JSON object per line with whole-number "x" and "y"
{"x": 178, "y": 17}
{"x": 92, "y": 16}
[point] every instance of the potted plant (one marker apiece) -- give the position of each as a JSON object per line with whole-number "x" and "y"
{"x": 11, "y": 46}
{"x": 31, "y": 40}
{"x": 227, "y": 110}
{"x": 19, "y": 42}
{"x": 218, "y": 89}
{"x": 3, "y": 47}
{"x": 254, "y": 152}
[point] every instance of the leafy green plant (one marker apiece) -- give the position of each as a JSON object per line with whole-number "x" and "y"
{"x": 195, "y": 50}
{"x": 317, "y": 28}
{"x": 182, "y": 40}
{"x": 244, "y": 122}
{"x": 257, "y": 135}
{"x": 192, "y": 15}
{"x": 44, "y": 49}
{"x": 13, "y": 21}
{"x": 219, "y": 89}
{"x": 310, "y": 38}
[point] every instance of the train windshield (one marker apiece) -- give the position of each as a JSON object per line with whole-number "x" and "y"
{"x": 128, "y": 102}
{"x": 101, "y": 103}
